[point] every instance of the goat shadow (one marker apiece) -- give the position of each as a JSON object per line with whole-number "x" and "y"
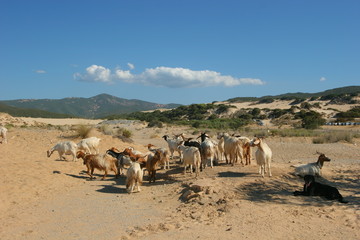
{"x": 281, "y": 192}
{"x": 113, "y": 189}
{"x": 83, "y": 175}
{"x": 230, "y": 174}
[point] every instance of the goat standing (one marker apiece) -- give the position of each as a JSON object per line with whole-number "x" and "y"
{"x": 173, "y": 145}
{"x": 207, "y": 150}
{"x": 122, "y": 160}
{"x": 192, "y": 157}
{"x": 313, "y": 169}
{"x": 134, "y": 177}
{"x": 151, "y": 165}
{"x": 67, "y": 148}
{"x": 165, "y": 155}
{"x": 101, "y": 162}
{"x": 88, "y": 144}
{"x": 3, "y": 134}
{"x": 263, "y": 155}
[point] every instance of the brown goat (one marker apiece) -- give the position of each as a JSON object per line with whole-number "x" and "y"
{"x": 165, "y": 155}
{"x": 100, "y": 162}
{"x": 151, "y": 165}
{"x": 136, "y": 157}
{"x": 247, "y": 152}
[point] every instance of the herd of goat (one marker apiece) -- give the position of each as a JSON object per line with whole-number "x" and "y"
{"x": 197, "y": 155}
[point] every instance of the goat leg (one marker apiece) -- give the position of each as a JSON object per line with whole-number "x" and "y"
{"x": 104, "y": 175}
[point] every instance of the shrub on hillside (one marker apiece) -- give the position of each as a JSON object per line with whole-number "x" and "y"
{"x": 352, "y": 113}
{"x": 125, "y": 132}
{"x": 310, "y": 119}
{"x": 155, "y": 123}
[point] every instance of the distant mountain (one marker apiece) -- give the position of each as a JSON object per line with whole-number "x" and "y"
{"x": 22, "y": 112}
{"x": 335, "y": 91}
{"x": 93, "y": 107}
{"x": 106, "y": 105}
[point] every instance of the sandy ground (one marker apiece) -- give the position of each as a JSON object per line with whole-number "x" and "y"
{"x": 48, "y": 198}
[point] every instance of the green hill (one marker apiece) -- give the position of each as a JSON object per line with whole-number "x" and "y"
{"x": 93, "y": 107}
{"x": 22, "y": 112}
{"x": 299, "y": 95}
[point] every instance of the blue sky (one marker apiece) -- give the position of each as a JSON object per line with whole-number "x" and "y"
{"x": 177, "y": 51}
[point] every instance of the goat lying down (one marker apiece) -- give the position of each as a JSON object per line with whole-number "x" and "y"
{"x": 312, "y": 188}
{"x": 102, "y": 162}
{"x": 313, "y": 169}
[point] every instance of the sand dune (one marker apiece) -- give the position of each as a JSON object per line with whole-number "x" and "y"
{"x": 45, "y": 198}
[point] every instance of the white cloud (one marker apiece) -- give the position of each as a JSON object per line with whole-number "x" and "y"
{"x": 122, "y": 75}
{"x": 165, "y": 77}
{"x": 95, "y": 73}
{"x": 40, "y": 71}
{"x": 322, "y": 79}
{"x": 131, "y": 66}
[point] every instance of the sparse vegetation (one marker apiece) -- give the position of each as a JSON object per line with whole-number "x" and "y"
{"x": 336, "y": 136}
{"x": 106, "y": 129}
{"x": 155, "y": 123}
{"x": 125, "y": 132}
{"x": 83, "y": 131}
{"x": 351, "y": 114}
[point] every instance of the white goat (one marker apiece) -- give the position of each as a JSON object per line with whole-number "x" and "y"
{"x": 67, "y": 148}
{"x": 173, "y": 145}
{"x": 313, "y": 169}
{"x": 134, "y": 177}
{"x": 192, "y": 157}
{"x": 88, "y": 144}
{"x": 246, "y": 149}
{"x": 220, "y": 149}
{"x": 263, "y": 155}
{"x": 232, "y": 148}
{"x": 3, "y": 134}
{"x": 207, "y": 147}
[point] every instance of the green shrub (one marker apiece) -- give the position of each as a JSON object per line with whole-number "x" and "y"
{"x": 310, "y": 119}
{"x": 155, "y": 123}
{"x": 125, "y": 132}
